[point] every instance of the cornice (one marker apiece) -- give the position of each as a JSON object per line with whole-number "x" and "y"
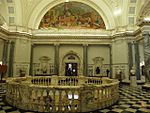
{"x": 93, "y": 38}
{"x": 19, "y": 34}
{"x": 142, "y": 23}
{"x": 72, "y": 41}
{"x": 9, "y": 34}
{"x": 3, "y": 34}
{"x": 72, "y": 37}
{"x": 4, "y": 31}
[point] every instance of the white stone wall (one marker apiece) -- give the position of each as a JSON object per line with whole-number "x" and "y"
{"x": 120, "y": 58}
{"x": 40, "y": 51}
{"x": 22, "y": 53}
{"x": 43, "y": 50}
{"x": 98, "y": 51}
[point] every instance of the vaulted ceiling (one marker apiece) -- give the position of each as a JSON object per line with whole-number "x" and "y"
{"x": 26, "y": 15}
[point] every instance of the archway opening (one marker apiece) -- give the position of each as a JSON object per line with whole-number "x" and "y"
{"x": 71, "y": 65}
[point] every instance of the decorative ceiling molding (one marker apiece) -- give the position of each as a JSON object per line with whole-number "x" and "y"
{"x": 146, "y": 11}
{"x": 2, "y": 20}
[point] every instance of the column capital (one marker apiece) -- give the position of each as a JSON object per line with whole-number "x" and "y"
{"x": 33, "y": 45}
{"x": 56, "y": 44}
{"x": 146, "y": 33}
{"x": 85, "y": 44}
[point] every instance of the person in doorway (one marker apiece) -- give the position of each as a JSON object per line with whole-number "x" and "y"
{"x": 97, "y": 70}
{"x": 119, "y": 76}
{"x": 107, "y": 71}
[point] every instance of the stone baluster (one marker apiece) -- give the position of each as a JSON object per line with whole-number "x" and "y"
{"x": 37, "y": 81}
{"x": 53, "y": 101}
{"x": 66, "y": 104}
{"x": 72, "y": 99}
{"x": 44, "y": 82}
{"x": 102, "y": 93}
{"x": 49, "y": 81}
{"x": 98, "y": 97}
{"x": 41, "y": 80}
{"x": 107, "y": 90}
{"x": 60, "y": 101}
{"x": 54, "y": 80}
{"x": 41, "y": 107}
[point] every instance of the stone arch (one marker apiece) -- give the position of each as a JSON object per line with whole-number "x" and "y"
{"x": 145, "y": 10}
{"x": 70, "y": 57}
{"x": 102, "y": 8}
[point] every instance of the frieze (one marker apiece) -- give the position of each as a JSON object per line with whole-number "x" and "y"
{"x": 82, "y": 35}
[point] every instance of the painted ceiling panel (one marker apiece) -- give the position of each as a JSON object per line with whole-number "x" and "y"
{"x": 72, "y": 15}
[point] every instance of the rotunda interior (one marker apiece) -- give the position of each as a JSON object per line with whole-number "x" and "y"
{"x": 74, "y": 55}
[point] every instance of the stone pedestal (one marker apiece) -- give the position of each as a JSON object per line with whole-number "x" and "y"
{"x": 133, "y": 82}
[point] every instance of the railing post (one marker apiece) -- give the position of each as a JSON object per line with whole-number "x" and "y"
{"x": 54, "y": 80}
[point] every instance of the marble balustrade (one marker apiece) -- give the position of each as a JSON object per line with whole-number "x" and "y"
{"x": 61, "y": 93}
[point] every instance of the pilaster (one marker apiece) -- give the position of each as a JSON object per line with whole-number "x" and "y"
{"x": 31, "y": 60}
{"x": 110, "y": 65}
{"x": 11, "y": 58}
{"x": 56, "y": 59}
{"x": 137, "y": 61}
{"x": 85, "y": 59}
{"x": 146, "y": 36}
{"x": 130, "y": 56}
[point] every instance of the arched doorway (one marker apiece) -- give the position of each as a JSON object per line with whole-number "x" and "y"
{"x": 71, "y": 64}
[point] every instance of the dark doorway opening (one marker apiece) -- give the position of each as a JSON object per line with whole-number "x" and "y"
{"x": 71, "y": 69}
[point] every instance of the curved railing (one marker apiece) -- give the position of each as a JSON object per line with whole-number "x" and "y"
{"x": 61, "y": 94}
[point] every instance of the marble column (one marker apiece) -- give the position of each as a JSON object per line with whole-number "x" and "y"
{"x": 85, "y": 62}
{"x": 146, "y": 37}
{"x": 31, "y": 60}
{"x": 134, "y": 58}
{"x": 130, "y": 58}
{"x": 56, "y": 59}
{"x": 5, "y": 52}
{"x": 11, "y": 58}
{"x": 110, "y": 71}
{"x": 137, "y": 61}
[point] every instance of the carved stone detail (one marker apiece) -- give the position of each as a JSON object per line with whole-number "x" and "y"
{"x": 97, "y": 67}
{"x": 44, "y": 64}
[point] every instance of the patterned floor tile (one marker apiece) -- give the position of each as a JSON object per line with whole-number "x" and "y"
{"x": 144, "y": 110}
{"x": 2, "y": 111}
{"x": 117, "y": 110}
{"x": 14, "y": 112}
{"x": 130, "y": 110}
{"x": 104, "y": 110}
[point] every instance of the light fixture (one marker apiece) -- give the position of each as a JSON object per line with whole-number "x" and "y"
{"x": 66, "y": 0}
{"x": 1, "y": 63}
{"x": 117, "y": 11}
{"x": 142, "y": 63}
{"x": 147, "y": 19}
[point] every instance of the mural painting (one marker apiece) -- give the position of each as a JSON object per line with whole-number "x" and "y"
{"x": 72, "y": 15}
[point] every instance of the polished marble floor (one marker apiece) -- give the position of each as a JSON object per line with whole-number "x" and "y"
{"x": 132, "y": 100}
